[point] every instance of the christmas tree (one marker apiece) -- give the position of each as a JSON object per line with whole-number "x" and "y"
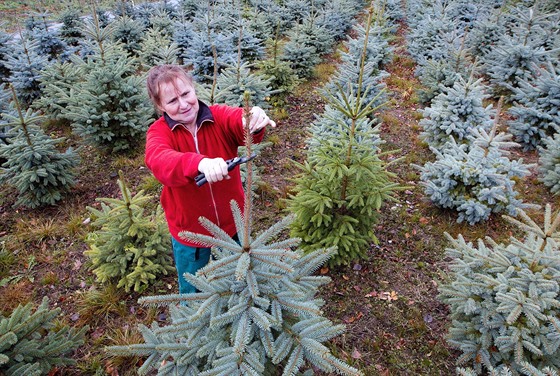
{"x": 30, "y": 343}
{"x": 25, "y": 65}
{"x": 58, "y": 81}
{"x": 438, "y": 75}
{"x": 255, "y": 311}
{"x": 108, "y": 107}
{"x": 128, "y": 244}
{"x": 34, "y": 166}
{"x": 549, "y": 163}
{"x": 344, "y": 182}
{"x": 518, "y": 53}
{"x": 5, "y": 48}
{"x": 301, "y": 53}
{"x": 427, "y": 38}
{"x": 210, "y": 47}
{"x": 504, "y": 298}
{"x": 48, "y": 40}
{"x": 130, "y": 33}
{"x": 72, "y": 25}
{"x": 337, "y": 16}
{"x": 456, "y": 112}
{"x": 536, "y": 108}
{"x": 475, "y": 179}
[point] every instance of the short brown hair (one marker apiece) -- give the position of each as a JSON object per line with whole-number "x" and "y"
{"x": 161, "y": 74}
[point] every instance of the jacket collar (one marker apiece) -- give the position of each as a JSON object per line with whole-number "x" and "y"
{"x": 204, "y": 114}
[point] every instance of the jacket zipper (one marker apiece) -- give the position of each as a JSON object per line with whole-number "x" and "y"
{"x": 209, "y": 185}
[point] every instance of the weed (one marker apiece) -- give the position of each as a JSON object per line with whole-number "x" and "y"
{"x": 324, "y": 71}
{"x": 100, "y": 304}
{"x": 13, "y": 294}
{"x": 123, "y": 162}
{"x": 51, "y": 278}
{"x": 7, "y": 259}
{"x": 151, "y": 185}
{"x": 38, "y": 230}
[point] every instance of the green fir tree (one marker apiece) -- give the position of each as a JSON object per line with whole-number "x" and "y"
{"x": 128, "y": 244}
{"x": 344, "y": 182}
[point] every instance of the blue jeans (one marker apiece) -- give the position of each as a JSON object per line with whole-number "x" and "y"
{"x": 188, "y": 260}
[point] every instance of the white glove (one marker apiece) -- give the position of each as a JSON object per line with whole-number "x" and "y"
{"x": 259, "y": 120}
{"x": 214, "y": 169}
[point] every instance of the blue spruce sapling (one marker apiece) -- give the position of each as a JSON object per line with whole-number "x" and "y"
{"x": 504, "y": 298}
{"x": 536, "y": 109}
{"x": 34, "y": 166}
{"x": 32, "y": 345}
{"x": 475, "y": 179}
{"x": 456, "y": 112}
{"x": 549, "y": 163}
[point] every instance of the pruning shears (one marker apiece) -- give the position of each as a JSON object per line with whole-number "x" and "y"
{"x": 200, "y": 179}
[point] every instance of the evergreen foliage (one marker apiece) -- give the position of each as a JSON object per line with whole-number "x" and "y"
{"x": 504, "y": 298}
{"x": 49, "y": 41}
{"x": 527, "y": 369}
{"x": 378, "y": 51}
{"x": 30, "y": 345}
{"x": 337, "y": 17}
{"x": 486, "y": 33}
{"x": 162, "y": 23}
{"x": 255, "y": 310}
{"x": 5, "y": 48}
{"x": 34, "y": 166}
{"x": 156, "y": 48}
{"x": 301, "y": 52}
{"x": 234, "y": 82}
{"x": 182, "y": 36}
{"x": 282, "y": 79}
{"x": 456, "y": 112}
{"x": 58, "y": 80}
{"x": 208, "y": 48}
{"x": 128, "y": 244}
{"x": 72, "y": 26}
{"x": 428, "y": 39}
{"x": 250, "y": 46}
{"x": 437, "y": 75}
{"x": 536, "y": 109}
{"x": 108, "y": 107}
{"x": 25, "y": 65}
{"x": 475, "y": 179}
{"x": 517, "y": 55}
{"x": 549, "y": 163}
{"x": 344, "y": 182}
{"x": 130, "y": 33}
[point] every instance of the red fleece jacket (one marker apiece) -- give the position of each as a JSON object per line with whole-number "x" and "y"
{"x": 173, "y": 154}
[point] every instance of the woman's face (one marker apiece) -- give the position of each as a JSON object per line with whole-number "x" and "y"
{"x": 178, "y": 99}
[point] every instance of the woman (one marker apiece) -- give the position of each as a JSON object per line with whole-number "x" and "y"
{"x": 188, "y": 139}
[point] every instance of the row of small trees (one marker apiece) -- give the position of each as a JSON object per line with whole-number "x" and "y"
{"x": 504, "y": 298}
{"x": 450, "y": 43}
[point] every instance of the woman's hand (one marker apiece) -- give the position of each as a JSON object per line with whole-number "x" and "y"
{"x": 259, "y": 120}
{"x": 214, "y": 169}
